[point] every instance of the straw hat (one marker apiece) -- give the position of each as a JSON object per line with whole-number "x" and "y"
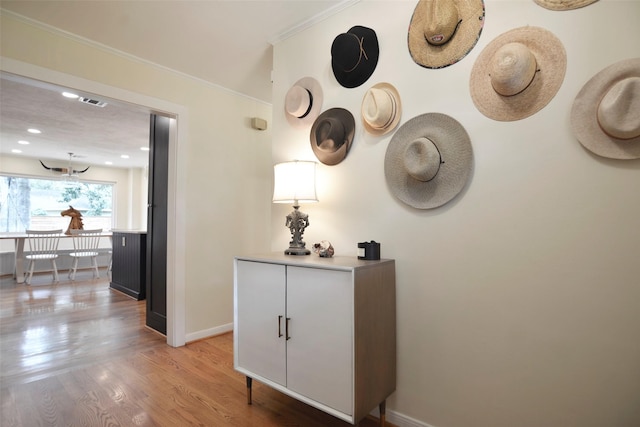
{"x": 518, "y": 73}
{"x": 381, "y": 109}
{"x": 564, "y": 4}
{"x": 442, "y": 32}
{"x": 428, "y": 161}
{"x": 303, "y": 102}
{"x": 605, "y": 116}
{"x": 332, "y": 135}
{"x": 354, "y": 56}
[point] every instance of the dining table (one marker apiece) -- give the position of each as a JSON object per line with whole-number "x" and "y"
{"x": 19, "y": 239}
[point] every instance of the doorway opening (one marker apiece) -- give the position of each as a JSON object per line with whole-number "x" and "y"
{"x": 176, "y": 333}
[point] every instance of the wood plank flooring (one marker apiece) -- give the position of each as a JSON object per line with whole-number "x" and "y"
{"x": 78, "y": 354}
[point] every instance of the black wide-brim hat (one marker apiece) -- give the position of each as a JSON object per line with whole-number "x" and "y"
{"x": 354, "y": 56}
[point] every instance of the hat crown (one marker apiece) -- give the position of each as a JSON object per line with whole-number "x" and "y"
{"x": 441, "y": 21}
{"x": 298, "y": 101}
{"x": 379, "y": 108}
{"x": 422, "y": 159}
{"x": 512, "y": 69}
{"x": 619, "y": 110}
{"x": 330, "y": 134}
{"x": 347, "y": 51}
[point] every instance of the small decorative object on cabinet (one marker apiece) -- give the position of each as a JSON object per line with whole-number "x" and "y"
{"x": 128, "y": 270}
{"x": 321, "y": 330}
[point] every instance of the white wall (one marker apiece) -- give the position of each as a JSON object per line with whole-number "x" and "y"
{"x": 222, "y": 164}
{"x": 517, "y": 301}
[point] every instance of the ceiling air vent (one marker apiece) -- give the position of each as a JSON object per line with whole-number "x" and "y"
{"x": 95, "y": 102}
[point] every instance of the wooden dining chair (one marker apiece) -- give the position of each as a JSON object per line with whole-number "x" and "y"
{"x": 43, "y": 246}
{"x": 85, "y": 245}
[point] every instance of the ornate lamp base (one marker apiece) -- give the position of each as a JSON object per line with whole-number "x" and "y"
{"x": 297, "y": 222}
{"x": 297, "y": 251}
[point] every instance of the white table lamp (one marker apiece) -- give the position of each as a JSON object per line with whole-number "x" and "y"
{"x": 295, "y": 182}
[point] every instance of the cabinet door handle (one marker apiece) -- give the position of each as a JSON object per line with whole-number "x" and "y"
{"x": 279, "y": 326}
{"x": 286, "y": 329}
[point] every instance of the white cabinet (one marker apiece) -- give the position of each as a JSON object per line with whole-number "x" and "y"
{"x": 321, "y": 330}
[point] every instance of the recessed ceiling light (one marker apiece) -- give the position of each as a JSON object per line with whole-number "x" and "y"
{"x": 15, "y": 150}
{"x": 124, "y": 156}
{"x": 144, "y": 148}
{"x": 108, "y": 163}
{"x": 70, "y": 95}
{"x": 23, "y": 142}
{"x": 33, "y": 130}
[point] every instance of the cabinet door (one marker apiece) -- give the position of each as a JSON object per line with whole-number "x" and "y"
{"x": 260, "y": 305}
{"x": 319, "y": 351}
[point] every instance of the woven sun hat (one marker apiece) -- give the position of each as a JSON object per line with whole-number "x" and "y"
{"x": 605, "y": 116}
{"x": 442, "y": 32}
{"x": 563, "y": 4}
{"x": 303, "y": 102}
{"x": 518, "y": 73}
{"x": 354, "y": 56}
{"x": 381, "y": 109}
{"x": 428, "y": 160}
{"x": 332, "y": 134}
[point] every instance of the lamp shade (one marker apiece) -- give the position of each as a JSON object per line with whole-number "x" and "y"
{"x": 294, "y": 182}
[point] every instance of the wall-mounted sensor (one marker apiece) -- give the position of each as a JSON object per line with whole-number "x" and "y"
{"x": 258, "y": 123}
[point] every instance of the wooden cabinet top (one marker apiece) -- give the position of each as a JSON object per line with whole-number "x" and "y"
{"x": 314, "y": 261}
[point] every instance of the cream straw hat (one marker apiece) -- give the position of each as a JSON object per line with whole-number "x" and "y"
{"x": 518, "y": 73}
{"x": 381, "y": 109}
{"x": 303, "y": 102}
{"x": 428, "y": 161}
{"x": 605, "y": 116}
{"x": 563, "y": 4}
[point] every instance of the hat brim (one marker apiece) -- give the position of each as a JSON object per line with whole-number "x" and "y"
{"x": 347, "y": 120}
{"x": 366, "y": 67}
{"x": 455, "y": 148}
{"x": 396, "y": 96}
{"x": 563, "y": 4}
{"x": 313, "y": 86}
{"x": 551, "y": 62}
{"x": 464, "y": 39}
{"x": 584, "y": 119}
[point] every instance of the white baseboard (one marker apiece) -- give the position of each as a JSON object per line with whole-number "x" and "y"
{"x": 402, "y": 420}
{"x": 206, "y": 333}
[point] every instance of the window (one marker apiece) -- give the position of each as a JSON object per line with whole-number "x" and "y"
{"x": 35, "y": 203}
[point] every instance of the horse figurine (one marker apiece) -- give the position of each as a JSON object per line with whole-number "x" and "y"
{"x": 76, "y": 219}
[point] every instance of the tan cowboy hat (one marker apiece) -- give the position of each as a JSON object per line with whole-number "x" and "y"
{"x": 518, "y": 73}
{"x": 303, "y": 102}
{"x": 381, "y": 109}
{"x": 428, "y": 161}
{"x": 563, "y": 4}
{"x": 442, "y": 32}
{"x": 332, "y": 135}
{"x": 605, "y": 116}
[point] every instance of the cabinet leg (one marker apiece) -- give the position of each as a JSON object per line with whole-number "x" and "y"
{"x": 383, "y": 413}
{"x": 249, "y": 382}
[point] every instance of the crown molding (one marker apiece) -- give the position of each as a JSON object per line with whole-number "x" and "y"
{"x": 312, "y": 21}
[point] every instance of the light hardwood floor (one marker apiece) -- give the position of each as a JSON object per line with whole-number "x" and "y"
{"x": 78, "y": 354}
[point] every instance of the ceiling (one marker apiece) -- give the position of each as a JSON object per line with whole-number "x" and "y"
{"x": 225, "y": 42}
